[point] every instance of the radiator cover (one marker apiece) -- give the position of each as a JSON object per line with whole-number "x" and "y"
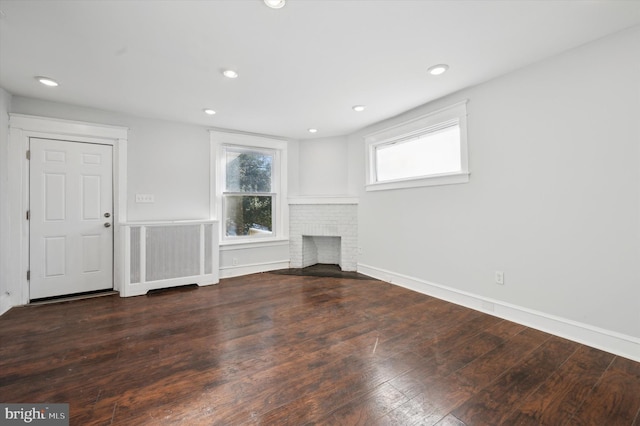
{"x": 168, "y": 254}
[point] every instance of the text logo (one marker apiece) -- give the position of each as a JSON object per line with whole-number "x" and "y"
{"x": 35, "y": 414}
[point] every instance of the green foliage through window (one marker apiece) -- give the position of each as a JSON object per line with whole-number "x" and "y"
{"x": 249, "y": 171}
{"x": 248, "y": 198}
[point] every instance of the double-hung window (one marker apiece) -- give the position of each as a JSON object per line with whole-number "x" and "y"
{"x": 248, "y": 196}
{"x": 250, "y": 187}
{"x": 429, "y": 150}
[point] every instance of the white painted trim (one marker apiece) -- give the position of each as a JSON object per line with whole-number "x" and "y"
{"x": 420, "y": 125}
{"x": 66, "y": 127}
{"x": 254, "y": 268}
{"x": 143, "y": 286}
{"x": 248, "y": 140}
{"x": 415, "y": 124}
{"x": 140, "y": 289}
{"x": 5, "y": 304}
{"x": 217, "y": 141}
{"x": 606, "y": 340}
{"x": 21, "y": 129}
{"x": 445, "y": 179}
{"x": 323, "y": 200}
{"x": 169, "y": 222}
{"x": 243, "y": 245}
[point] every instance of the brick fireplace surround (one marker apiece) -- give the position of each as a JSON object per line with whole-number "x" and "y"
{"x": 323, "y": 230}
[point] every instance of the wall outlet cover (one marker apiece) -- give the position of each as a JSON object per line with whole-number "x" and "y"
{"x": 145, "y": 198}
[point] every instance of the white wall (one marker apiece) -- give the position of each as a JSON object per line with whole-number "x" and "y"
{"x": 553, "y": 200}
{"x": 236, "y": 260}
{"x": 166, "y": 159}
{"x": 171, "y": 161}
{"x": 5, "y": 247}
{"x": 323, "y": 165}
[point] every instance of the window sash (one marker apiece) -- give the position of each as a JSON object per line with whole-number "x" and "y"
{"x": 226, "y": 195}
{"x": 425, "y": 169}
{"x": 236, "y": 141}
{"x": 412, "y": 129}
{"x": 225, "y": 218}
{"x": 247, "y": 150}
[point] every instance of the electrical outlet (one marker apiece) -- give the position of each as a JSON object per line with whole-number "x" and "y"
{"x": 145, "y": 198}
{"x": 234, "y": 261}
{"x": 500, "y": 277}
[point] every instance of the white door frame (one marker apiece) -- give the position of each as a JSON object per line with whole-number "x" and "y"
{"x": 21, "y": 129}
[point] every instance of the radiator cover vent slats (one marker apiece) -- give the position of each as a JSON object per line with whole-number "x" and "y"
{"x": 170, "y": 254}
{"x": 135, "y": 255}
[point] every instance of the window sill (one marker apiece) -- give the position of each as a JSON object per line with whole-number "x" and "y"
{"x": 448, "y": 179}
{"x": 241, "y": 244}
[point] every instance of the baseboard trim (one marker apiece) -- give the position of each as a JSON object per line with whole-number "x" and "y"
{"x": 5, "y": 305}
{"x": 606, "y": 340}
{"x": 254, "y": 268}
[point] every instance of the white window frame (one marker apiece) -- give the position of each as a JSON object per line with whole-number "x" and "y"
{"x": 420, "y": 126}
{"x": 280, "y": 216}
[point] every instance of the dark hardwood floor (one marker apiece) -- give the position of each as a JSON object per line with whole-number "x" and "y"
{"x": 278, "y": 349}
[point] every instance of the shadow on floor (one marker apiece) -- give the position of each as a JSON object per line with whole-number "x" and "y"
{"x": 321, "y": 270}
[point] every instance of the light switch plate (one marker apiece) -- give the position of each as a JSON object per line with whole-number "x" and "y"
{"x": 145, "y": 198}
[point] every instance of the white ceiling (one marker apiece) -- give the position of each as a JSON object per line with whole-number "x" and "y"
{"x": 302, "y": 66}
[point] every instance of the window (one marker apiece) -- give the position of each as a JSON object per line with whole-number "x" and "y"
{"x": 429, "y": 150}
{"x": 247, "y": 198}
{"x": 250, "y": 187}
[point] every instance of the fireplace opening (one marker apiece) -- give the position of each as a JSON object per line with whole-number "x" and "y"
{"x": 321, "y": 250}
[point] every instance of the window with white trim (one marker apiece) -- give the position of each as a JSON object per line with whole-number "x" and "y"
{"x": 247, "y": 198}
{"x": 250, "y": 187}
{"x": 429, "y": 150}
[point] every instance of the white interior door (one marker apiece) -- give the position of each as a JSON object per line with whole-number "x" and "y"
{"x": 71, "y": 217}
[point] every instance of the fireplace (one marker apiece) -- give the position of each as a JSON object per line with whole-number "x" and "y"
{"x": 323, "y": 230}
{"x": 317, "y": 249}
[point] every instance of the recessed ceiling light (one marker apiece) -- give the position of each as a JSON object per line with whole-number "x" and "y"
{"x": 275, "y": 4}
{"x": 438, "y": 69}
{"x": 209, "y": 111}
{"x": 47, "y": 81}
{"x": 230, "y": 74}
{"x": 313, "y": 130}
{"x": 359, "y": 108}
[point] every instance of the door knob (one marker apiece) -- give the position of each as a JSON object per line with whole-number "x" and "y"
{"x": 107, "y": 215}
{"x": 107, "y": 224}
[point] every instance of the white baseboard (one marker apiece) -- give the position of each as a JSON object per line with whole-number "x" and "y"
{"x": 606, "y": 340}
{"x": 5, "y": 305}
{"x": 254, "y": 268}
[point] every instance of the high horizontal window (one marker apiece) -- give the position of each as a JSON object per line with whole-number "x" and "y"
{"x": 432, "y": 153}
{"x": 430, "y": 150}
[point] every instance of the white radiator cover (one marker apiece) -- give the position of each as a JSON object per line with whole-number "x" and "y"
{"x": 167, "y": 254}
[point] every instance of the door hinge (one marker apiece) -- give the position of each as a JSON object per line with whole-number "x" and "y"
{"x": 27, "y": 214}
{"x": 28, "y": 155}
{"x": 28, "y": 275}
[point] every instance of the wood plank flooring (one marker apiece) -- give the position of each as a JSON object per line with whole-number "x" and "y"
{"x": 285, "y": 349}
